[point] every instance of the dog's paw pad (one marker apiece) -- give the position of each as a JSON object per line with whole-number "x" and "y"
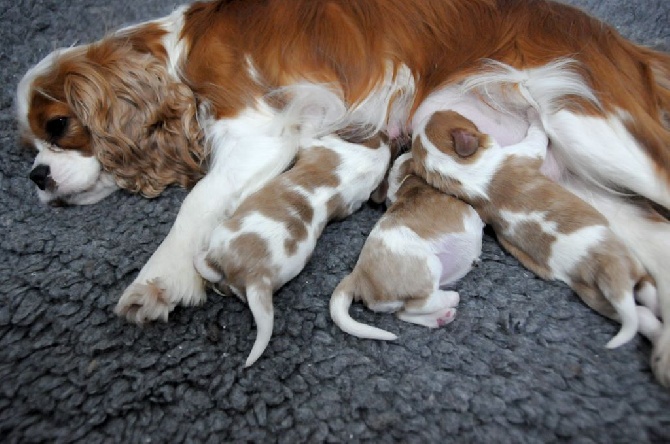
{"x": 446, "y": 318}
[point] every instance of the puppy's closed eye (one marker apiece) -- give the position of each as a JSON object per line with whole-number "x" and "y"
{"x": 56, "y": 127}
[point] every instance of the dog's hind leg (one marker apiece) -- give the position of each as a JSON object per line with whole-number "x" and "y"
{"x": 578, "y": 143}
{"x": 437, "y": 310}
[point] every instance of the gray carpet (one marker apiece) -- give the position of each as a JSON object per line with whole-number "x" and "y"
{"x": 523, "y": 362}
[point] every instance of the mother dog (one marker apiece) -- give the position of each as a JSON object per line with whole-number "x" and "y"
{"x": 219, "y": 95}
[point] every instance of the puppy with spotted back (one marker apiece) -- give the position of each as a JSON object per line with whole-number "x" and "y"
{"x": 425, "y": 241}
{"x": 551, "y": 231}
{"x": 269, "y": 238}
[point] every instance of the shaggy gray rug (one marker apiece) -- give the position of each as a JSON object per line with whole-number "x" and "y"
{"x": 523, "y": 362}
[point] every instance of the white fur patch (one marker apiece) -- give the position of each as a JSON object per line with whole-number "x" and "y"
{"x": 77, "y": 179}
{"x": 319, "y": 109}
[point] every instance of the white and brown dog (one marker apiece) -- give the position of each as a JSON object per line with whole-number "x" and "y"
{"x": 425, "y": 241}
{"x": 153, "y": 104}
{"x": 269, "y": 238}
{"x": 550, "y": 230}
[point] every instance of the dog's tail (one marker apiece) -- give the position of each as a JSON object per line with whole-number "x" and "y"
{"x": 627, "y": 311}
{"x": 340, "y": 302}
{"x": 259, "y": 298}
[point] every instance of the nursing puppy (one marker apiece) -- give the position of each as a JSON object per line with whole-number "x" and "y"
{"x": 425, "y": 241}
{"x": 270, "y": 237}
{"x": 551, "y": 231}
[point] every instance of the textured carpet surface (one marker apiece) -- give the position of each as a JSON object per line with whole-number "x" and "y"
{"x": 523, "y": 362}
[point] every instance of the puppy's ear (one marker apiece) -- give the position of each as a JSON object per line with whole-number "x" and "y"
{"x": 465, "y": 142}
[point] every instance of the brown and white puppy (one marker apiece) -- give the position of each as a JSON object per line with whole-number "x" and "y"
{"x": 270, "y": 237}
{"x": 425, "y": 241}
{"x": 551, "y": 231}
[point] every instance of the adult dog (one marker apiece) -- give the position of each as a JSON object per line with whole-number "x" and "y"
{"x": 177, "y": 100}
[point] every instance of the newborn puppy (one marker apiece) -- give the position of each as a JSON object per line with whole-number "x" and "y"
{"x": 270, "y": 237}
{"x": 551, "y": 231}
{"x": 426, "y": 240}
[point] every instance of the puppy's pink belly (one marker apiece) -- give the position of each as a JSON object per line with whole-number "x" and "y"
{"x": 456, "y": 254}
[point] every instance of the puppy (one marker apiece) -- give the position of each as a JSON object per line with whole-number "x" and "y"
{"x": 551, "y": 231}
{"x": 425, "y": 241}
{"x": 270, "y": 237}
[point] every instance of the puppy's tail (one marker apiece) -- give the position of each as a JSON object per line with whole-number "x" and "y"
{"x": 259, "y": 298}
{"x": 340, "y": 302}
{"x": 628, "y": 316}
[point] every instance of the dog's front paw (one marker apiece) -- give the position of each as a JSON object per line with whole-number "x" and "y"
{"x": 144, "y": 302}
{"x": 660, "y": 358}
{"x": 154, "y": 299}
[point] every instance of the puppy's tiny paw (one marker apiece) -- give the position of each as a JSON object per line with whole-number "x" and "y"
{"x": 660, "y": 358}
{"x": 144, "y": 302}
{"x": 446, "y": 317}
{"x": 205, "y": 268}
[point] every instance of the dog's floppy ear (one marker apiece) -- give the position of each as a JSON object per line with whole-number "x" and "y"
{"x": 465, "y": 142}
{"x": 143, "y": 125}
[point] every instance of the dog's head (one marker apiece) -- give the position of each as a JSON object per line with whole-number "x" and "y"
{"x": 105, "y": 116}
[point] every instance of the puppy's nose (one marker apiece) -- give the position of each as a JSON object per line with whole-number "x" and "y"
{"x": 39, "y": 175}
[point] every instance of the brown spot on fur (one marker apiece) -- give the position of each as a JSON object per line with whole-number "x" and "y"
{"x": 376, "y": 141}
{"x": 318, "y": 163}
{"x": 394, "y": 286}
{"x": 425, "y": 210}
{"x": 519, "y": 187}
{"x": 528, "y": 236}
{"x": 246, "y": 260}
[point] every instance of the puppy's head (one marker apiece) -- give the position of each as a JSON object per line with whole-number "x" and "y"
{"x": 456, "y": 136}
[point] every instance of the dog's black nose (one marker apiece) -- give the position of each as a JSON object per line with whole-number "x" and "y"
{"x": 39, "y": 175}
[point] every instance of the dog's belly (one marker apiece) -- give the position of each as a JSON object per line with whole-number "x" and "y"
{"x": 507, "y": 128}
